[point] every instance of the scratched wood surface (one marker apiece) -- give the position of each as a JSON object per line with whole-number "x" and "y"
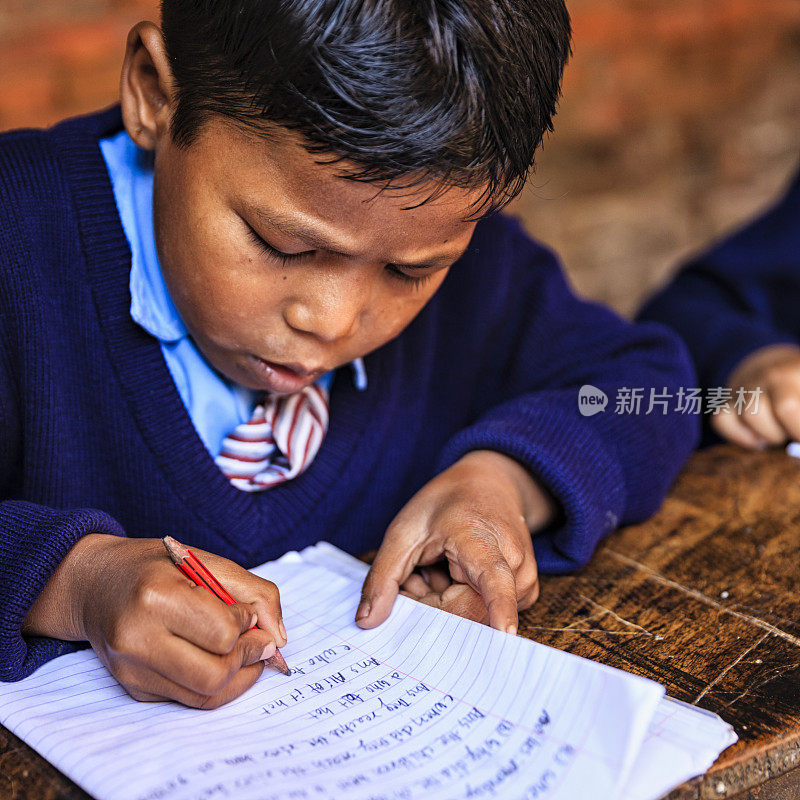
{"x": 704, "y": 598}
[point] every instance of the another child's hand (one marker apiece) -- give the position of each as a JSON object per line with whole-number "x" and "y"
{"x": 477, "y": 515}
{"x": 775, "y": 370}
{"x": 160, "y": 635}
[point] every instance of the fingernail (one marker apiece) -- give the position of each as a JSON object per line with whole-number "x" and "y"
{"x": 512, "y": 629}
{"x": 282, "y": 629}
{"x": 762, "y": 444}
{"x": 363, "y": 610}
{"x": 268, "y": 651}
{"x": 253, "y": 620}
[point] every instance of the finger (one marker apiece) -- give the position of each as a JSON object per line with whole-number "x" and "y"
{"x": 197, "y": 670}
{"x": 459, "y": 599}
{"x": 259, "y": 592}
{"x": 437, "y": 577}
{"x": 393, "y": 564}
{"x": 785, "y": 399}
{"x": 204, "y": 620}
{"x": 267, "y": 602}
{"x": 732, "y": 428}
{"x": 415, "y": 586}
{"x": 487, "y": 571}
{"x": 527, "y": 582}
{"x": 193, "y": 613}
{"x": 527, "y": 598}
{"x": 764, "y": 423}
{"x": 153, "y": 686}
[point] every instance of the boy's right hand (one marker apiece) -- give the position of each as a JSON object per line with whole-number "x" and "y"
{"x": 160, "y": 635}
{"x": 775, "y": 370}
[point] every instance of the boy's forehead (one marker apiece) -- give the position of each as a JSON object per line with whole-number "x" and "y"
{"x": 276, "y": 178}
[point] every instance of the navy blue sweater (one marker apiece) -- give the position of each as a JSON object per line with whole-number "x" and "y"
{"x": 739, "y": 296}
{"x": 94, "y": 436}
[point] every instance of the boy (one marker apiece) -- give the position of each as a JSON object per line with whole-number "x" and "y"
{"x": 315, "y": 169}
{"x": 736, "y": 308}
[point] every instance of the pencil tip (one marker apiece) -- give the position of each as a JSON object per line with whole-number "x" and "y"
{"x": 279, "y": 662}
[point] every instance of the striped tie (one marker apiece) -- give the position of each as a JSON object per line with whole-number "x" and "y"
{"x": 278, "y": 442}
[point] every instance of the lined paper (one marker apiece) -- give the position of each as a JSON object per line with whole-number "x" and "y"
{"x": 427, "y": 705}
{"x": 681, "y": 741}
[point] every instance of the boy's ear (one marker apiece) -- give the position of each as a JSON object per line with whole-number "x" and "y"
{"x": 146, "y": 86}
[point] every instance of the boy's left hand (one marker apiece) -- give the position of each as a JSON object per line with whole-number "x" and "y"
{"x": 478, "y": 515}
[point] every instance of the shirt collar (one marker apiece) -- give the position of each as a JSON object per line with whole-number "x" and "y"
{"x": 131, "y": 171}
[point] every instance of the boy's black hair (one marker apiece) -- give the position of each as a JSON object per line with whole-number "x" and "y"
{"x": 460, "y": 92}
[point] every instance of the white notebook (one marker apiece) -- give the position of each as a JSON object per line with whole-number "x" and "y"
{"x": 427, "y": 705}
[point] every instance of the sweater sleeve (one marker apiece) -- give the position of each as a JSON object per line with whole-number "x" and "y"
{"x": 33, "y": 538}
{"x": 611, "y": 467}
{"x": 741, "y": 295}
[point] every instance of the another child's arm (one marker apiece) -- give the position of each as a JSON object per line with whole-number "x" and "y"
{"x": 531, "y": 463}
{"x": 736, "y": 307}
{"x": 770, "y": 375}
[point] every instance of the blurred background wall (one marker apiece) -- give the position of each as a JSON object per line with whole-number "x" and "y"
{"x": 680, "y": 119}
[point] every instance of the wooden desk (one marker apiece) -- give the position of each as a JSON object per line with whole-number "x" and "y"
{"x": 704, "y": 598}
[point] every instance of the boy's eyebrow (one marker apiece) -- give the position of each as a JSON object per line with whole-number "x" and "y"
{"x": 295, "y": 227}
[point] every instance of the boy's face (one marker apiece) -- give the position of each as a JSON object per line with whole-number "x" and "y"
{"x": 281, "y": 270}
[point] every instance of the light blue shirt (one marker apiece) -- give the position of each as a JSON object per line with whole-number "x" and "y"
{"x": 215, "y": 405}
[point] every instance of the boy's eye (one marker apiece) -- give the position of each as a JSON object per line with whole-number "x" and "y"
{"x": 292, "y": 258}
{"x": 413, "y": 280}
{"x": 273, "y": 252}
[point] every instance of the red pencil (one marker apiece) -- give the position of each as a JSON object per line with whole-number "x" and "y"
{"x": 194, "y": 569}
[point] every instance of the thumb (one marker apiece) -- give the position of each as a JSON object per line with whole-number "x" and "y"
{"x": 391, "y": 567}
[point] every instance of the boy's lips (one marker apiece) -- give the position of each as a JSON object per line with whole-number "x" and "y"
{"x": 283, "y": 378}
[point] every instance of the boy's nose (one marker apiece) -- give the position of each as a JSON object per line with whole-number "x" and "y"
{"x": 330, "y": 319}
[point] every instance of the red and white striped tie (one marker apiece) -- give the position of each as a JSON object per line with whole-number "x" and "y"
{"x": 278, "y": 442}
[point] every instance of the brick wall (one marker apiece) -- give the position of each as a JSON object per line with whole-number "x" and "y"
{"x": 680, "y": 119}
{"x": 62, "y": 57}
